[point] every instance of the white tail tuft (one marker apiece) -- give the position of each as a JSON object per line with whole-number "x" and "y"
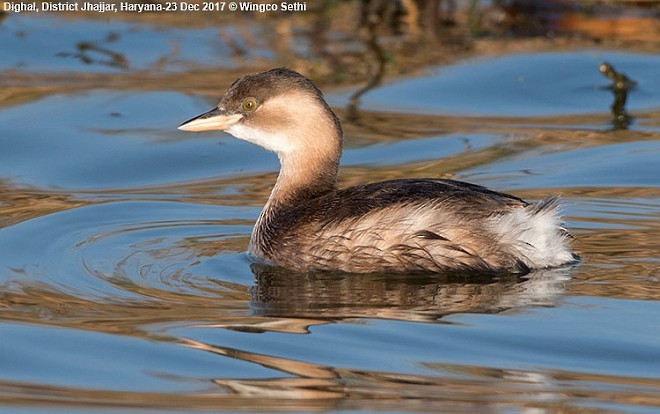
{"x": 536, "y": 234}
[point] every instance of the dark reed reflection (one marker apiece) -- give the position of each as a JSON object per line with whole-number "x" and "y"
{"x": 370, "y": 17}
{"x": 621, "y": 85}
{"x": 95, "y": 53}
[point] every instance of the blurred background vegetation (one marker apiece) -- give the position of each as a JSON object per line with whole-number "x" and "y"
{"x": 345, "y": 41}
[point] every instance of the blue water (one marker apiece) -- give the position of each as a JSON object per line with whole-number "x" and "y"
{"x": 124, "y": 285}
{"x": 522, "y": 85}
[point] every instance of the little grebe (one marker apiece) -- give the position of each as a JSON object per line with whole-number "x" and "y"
{"x": 407, "y": 225}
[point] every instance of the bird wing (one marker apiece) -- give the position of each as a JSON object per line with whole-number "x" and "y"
{"x": 423, "y": 224}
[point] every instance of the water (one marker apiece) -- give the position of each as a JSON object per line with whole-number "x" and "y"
{"x": 123, "y": 280}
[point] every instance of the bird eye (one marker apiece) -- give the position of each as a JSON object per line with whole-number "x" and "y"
{"x": 249, "y": 104}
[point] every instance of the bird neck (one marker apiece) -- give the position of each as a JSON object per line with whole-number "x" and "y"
{"x": 309, "y": 163}
{"x": 308, "y": 167}
{"x": 304, "y": 177}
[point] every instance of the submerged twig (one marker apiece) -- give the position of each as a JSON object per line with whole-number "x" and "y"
{"x": 621, "y": 84}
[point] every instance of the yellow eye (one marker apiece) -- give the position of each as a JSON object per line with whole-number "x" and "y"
{"x": 249, "y": 104}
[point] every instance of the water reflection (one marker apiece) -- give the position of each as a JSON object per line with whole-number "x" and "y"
{"x": 88, "y": 50}
{"x": 282, "y": 293}
{"x": 306, "y": 385}
{"x": 370, "y": 17}
{"x": 20, "y": 204}
{"x": 621, "y": 85}
{"x": 123, "y": 282}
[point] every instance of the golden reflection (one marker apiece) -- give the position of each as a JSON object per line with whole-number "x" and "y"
{"x": 20, "y": 204}
{"x": 44, "y": 303}
{"x": 302, "y": 369}
{"x": 454, "y": 384}
{"x": 308, "y": 386}
{"x": 476, "y": 389}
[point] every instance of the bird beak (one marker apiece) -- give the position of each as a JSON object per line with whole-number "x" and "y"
{"x": 213, "y": 119}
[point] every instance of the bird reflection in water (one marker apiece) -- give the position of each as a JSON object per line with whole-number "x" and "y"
{"x": 286, "y": 301}
{"x": 418, "y": 297}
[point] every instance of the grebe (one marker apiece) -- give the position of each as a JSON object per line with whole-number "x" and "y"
{"x": 406, "y": 225}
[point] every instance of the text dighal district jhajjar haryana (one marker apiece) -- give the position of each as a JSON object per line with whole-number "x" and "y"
{"x": 101, "y": 7}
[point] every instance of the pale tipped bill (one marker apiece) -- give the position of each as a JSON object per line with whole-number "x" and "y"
{"x": 213, "y": 119}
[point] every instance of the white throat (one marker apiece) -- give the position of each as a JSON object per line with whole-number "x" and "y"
{"x": 276, "y": 142}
